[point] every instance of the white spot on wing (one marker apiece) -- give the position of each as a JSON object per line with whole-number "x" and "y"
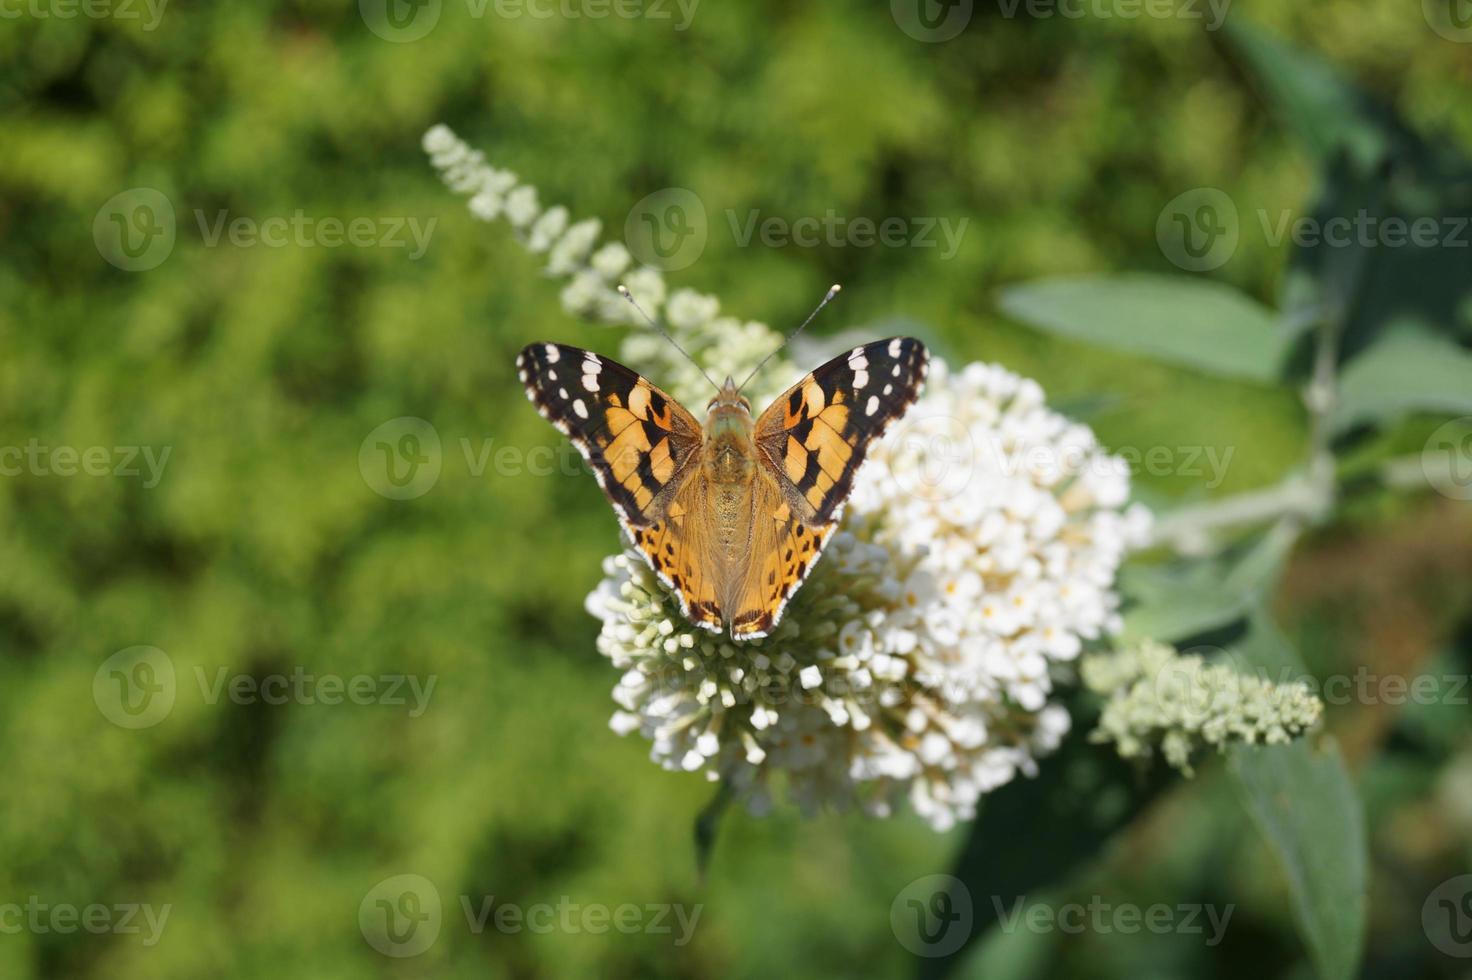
{"x": 579, "y": 408}
{"x": 562, "y": 393}
{"x": 894, "y": 347}
{"x": 873, "y": 405}
{"x": 590, "y": 382}
{"x": 552, "y": 353}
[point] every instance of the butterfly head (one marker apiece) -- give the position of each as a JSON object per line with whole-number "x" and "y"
{"x": 728, "y": 399}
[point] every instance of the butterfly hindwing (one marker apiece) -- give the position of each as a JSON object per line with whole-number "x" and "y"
{"x": 639, "y": 441}
{"x": 682, "y": 550}
{"x": 816, "y": 435}
{"x": 784, "y": 548}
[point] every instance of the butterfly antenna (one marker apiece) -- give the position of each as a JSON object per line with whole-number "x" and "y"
{"x": 833, "y": 291}
{"x": 624, "y": 292}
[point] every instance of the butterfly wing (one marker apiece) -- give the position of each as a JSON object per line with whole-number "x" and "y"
{"x": 809, "y": 445}
{"x": 644, "y": 449}
{"x": 816, "y": 435}
{"x": 681, "y": 548}
{"x": 640, "y": 443}
{"x": 783, "y": 549}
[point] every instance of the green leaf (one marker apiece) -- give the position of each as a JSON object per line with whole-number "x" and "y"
{"x": 1305, "y": 804}
{"x": 1181, "y": 599}
{"x": 1191, "y": 322}
{"x": 1407, "y": 371}
{"x": 1323, "y": 110}
{"x": 1388, "y": 234}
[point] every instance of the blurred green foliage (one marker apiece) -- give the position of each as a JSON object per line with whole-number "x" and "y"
{"x": 262, "y": 549}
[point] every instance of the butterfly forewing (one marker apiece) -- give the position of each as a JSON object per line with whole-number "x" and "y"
{"x": 639, "y": 441}
{"x": 815, "y": 436}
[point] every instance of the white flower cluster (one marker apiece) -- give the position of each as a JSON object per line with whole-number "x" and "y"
{"x": 1158, "y": 698}
{"x": 978, "y": 552}
{"x": 976, "y": 558}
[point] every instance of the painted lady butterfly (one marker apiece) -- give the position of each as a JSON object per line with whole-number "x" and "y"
{"x": 731, "y": 517}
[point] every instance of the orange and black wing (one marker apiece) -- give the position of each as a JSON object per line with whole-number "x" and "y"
{"x": 639, "y": 441}
{"x": 810, "y": 444}
{"x": 816, "y": 435}
{"x": 644, "y": 449}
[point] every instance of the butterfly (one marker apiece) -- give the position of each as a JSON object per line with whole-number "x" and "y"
{"x": 731, "y": 516}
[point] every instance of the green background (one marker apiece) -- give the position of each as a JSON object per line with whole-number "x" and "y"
{"x": 264, "y": 550}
